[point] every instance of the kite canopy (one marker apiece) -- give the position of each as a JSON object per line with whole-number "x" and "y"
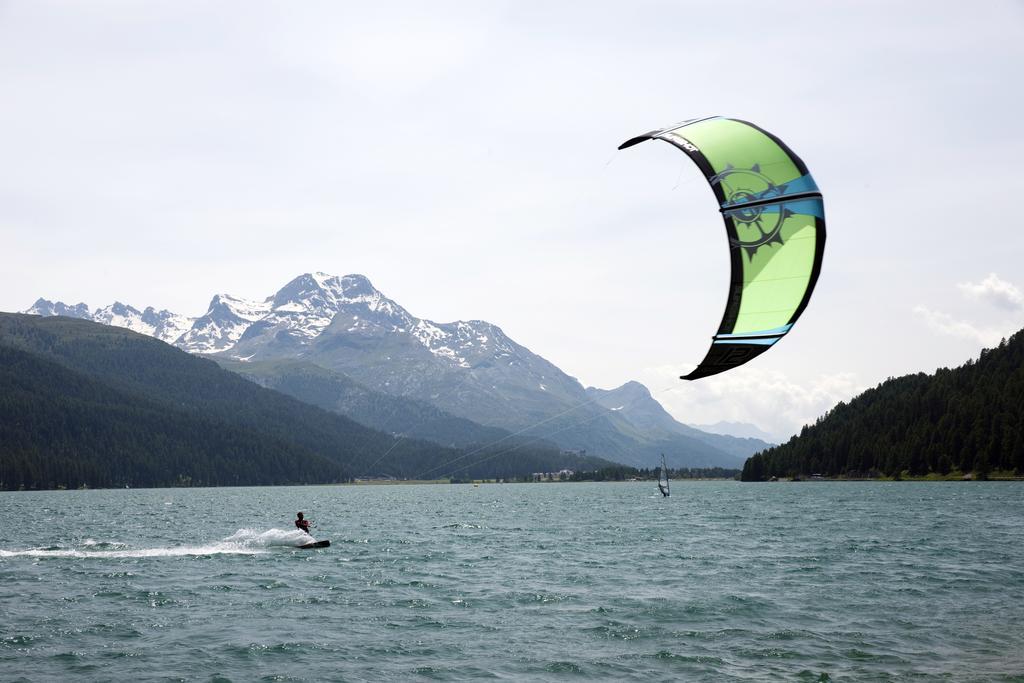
{"x": 775, "y": 220}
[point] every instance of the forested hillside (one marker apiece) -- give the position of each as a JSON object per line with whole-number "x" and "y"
{"x": 62, "y": 428}
{"x": 86, "y": 404}
{"x": 968, "y": 419}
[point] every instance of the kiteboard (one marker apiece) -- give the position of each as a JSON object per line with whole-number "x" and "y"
{"x": 315, "y": 544}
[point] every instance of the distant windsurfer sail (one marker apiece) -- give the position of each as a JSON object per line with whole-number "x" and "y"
{"x": 775, "y": 221}
{"x": 663, "y": 478}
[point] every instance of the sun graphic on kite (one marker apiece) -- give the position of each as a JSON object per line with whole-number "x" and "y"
{"x": 756, "y": 225}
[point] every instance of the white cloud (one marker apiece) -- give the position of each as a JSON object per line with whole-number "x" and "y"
{"x": 996, "y": 291}
{"x": 944, "y": 323}
{"x": 769, "y": 399}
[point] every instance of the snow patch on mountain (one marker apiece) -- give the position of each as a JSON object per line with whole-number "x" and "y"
{"x": 167, "y": 327}
{"x": 244, "y": 308}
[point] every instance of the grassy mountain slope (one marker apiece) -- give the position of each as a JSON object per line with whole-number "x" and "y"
{"x": 341, "y": 394}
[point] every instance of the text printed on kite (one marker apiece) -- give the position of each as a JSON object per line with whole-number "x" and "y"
{"x": 775, "y": 221}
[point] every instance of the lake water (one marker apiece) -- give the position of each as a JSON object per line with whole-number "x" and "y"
{"x": 722, "y": 581}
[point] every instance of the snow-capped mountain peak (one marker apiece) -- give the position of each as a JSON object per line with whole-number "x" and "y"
{"x": 45, "y": 307}
{"x": 307, "y": 306}
{"x": 224, "y": 322}
{"x": 302, "y": 310}
{"x": 164, "y": 325}
{"x": 122, "y": 315}
{"x": 297, "y": 315}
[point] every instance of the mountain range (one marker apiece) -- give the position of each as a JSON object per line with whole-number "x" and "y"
{"x": 341, "y": 344}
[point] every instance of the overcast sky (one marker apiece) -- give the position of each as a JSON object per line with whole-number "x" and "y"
{"x": 462, "y": 156}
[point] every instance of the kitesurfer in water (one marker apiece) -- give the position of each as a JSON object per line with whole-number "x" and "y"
{"x": 301, "y": 523}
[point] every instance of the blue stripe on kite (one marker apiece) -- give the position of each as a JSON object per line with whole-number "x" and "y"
{"x": 776, "y": 330}
{"x": 801, "y": 185}
{"x": 757, "y": 342}
{"x": 807, "y": 207}
{"x": 804, "y": 207}
{"x": 804, "y": 183}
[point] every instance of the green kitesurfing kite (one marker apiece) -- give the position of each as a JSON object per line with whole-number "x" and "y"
{"x": 775, "y": 220}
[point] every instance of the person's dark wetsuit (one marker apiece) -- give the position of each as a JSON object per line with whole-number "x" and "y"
{"x": 301, "y": 523}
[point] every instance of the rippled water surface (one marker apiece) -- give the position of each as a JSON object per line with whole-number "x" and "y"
{"x": 722, "y": 581}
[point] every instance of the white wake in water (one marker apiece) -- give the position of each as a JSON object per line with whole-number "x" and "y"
{"x": 242, "y": 542}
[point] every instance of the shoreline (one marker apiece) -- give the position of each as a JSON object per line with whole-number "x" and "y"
{"x": 933, "y": 477}
{"x": 491, "y": 482}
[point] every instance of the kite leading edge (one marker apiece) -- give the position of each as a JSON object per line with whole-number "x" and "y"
{"x": 775, "y": 220}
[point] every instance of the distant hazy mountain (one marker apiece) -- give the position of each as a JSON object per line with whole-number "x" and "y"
{"x": 742, "y": 430}
{"x": 634, "y": 402}
{"x": 467, "y": 369}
